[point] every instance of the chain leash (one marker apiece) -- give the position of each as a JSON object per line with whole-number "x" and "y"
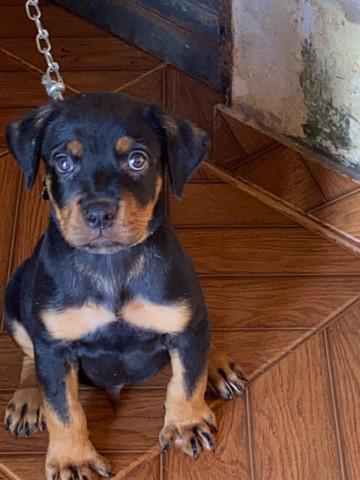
{"x": 51, "y": 80}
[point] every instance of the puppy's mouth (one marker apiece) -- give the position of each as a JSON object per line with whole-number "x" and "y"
{"x": 101, "y": 244}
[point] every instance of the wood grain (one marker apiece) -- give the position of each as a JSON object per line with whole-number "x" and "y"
{"x": 230, "y": 460}
{"x": 21, "y": 90}
{"x": 254, "y": 251}
{"x": 183, "y": 97}
{"x": 86, "y": 53}
{"x": 32, "y": 221}
{"x": 221, "y": 205}
{"x": 31, "y": 466}
{"x": 135, "y": 427}
{"x": 293, "y": 430}
{"x": 255, "y": 350}
{"x": 344, "y": 214}
{"x": 282, "y": 172}
{"x": 70, "y": 25}
{"x": 331, "y": 183}
{"x": 250, "y": 140}
{"x": 9, "y": 184}
{"x": 228, "y": 153}
{"x": 344, "y": 340}
{"x": 281, "y": 302}
{"x": 149, "y": 88}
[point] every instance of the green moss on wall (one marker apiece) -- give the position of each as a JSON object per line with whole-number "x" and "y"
{"x": 327, "y": 127}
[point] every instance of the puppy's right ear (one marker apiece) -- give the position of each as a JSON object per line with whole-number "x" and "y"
{"x": 24, "y": 138}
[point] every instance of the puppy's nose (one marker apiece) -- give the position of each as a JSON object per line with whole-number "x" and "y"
{"x": 100, "y": 214}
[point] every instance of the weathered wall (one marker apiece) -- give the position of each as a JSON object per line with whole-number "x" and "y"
{"x": 296, "y": 73}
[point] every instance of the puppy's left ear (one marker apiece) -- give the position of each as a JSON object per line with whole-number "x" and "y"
{"x": 184, "y": 147}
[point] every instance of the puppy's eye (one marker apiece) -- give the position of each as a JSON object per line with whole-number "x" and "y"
{"x": 64, "y": 163}
{"x": 138, "y": 160}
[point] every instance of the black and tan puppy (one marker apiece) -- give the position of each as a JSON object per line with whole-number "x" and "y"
{"x": 108, "y": 296}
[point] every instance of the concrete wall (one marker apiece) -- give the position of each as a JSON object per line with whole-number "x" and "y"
{"x": 296, "y": 73}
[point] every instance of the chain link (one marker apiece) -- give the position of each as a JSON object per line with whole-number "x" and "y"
{"x": 52, "y": 80}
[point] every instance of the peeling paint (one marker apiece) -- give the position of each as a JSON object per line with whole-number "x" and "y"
{"x": 327, "y": 126}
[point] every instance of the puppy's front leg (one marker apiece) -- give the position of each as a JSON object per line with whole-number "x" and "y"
{"x": 188, "y": 418}
{"x": 70, "y": 453}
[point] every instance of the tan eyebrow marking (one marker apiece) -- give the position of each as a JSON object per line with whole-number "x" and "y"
{"x": 123, "y": 144}
{"x": 75, "y": 148}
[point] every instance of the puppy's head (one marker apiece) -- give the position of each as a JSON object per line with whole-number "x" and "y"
{"x": 105, "y": 156}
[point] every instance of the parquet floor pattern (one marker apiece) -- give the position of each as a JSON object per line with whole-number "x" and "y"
{"x": 284, "y": 302}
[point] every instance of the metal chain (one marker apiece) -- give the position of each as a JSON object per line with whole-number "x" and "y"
{"x": 52, "y": 80}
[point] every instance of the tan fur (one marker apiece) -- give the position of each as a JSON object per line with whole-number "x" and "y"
{"x": 160, "y": 318}
{"x": 75, "y": 148}
{"x": 130, "y": 226}
{"x": 187, "y": 414}
{"x": 69, "y": 444}
{"x": 124, "y": 144}
{"x": 22, "y": 338}
{"x": 74, "y": 323}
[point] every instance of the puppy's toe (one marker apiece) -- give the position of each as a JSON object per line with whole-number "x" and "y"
{"x": 225, "y": 378}
{"x": 24, "y": 413}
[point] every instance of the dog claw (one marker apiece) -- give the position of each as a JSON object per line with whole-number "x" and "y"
{"x": 165, "y": 448}
{"x": 194, "y": 448}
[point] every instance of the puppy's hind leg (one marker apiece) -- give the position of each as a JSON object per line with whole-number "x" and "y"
{"x": 24, "y": 413}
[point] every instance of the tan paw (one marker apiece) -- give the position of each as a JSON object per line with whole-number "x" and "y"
{"x": 225, "y": 378}
{"x": 192, "y": 434}
{"x": 24, "y": 413}
{"x": 74, "y": 465}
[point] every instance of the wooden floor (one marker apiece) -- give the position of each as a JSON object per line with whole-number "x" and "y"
{"x": 284, "y": 302}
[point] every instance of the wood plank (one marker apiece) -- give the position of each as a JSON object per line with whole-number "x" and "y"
{"x": 331, "y": 183}
{"x": 149, "y": 88}
{"x": 32, "y": 221}
{"x": 31, "y": 466}
{"x": 59, "y": 22}
{"x": 183, "y": 97}
{"x": 256, "y": 350}
{"x": 254, "y": 251}
{"x": 250, "y": 140}
{"x": 7, "y": 64}
{"x": 154, "y": 33}
{"x": 344, "y": 214}
{"x": 21, "y": 89}
{"x": 344, "y": 341}
{"x": 10, "y": 363}
{"x": 292, "y": 418}
{"x": 90, "y": 80}
{"x": 136, "y": 426}
{"x": 86, "y": 53}
{"x": 282, "y": 172}
{"x": 282, "y": 302}
{"x": 221, "y": 205}
{"x": 228, "y": 152}
{"x": 230, "y": 460}
{"x": 9, "y": 182}
{"x": 148, "y": 468}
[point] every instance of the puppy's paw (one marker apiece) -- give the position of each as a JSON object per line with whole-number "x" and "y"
{"x": 225, "y": 378}
{"x": 24, "y": 413}
{"x": 191, "y": 433}
{"x": 78, "y": 463}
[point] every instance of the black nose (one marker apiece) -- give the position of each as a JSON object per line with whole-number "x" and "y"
{"x": 99, "y": 214}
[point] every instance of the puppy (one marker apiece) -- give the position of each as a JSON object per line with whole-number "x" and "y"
{"x": 109, "y": 296}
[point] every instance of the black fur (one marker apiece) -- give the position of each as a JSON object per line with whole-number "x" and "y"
{"x": 60, "y": 275}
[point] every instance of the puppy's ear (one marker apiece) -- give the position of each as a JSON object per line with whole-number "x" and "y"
{"x": 24, "y": 138}
{"x": 184, "y": 146}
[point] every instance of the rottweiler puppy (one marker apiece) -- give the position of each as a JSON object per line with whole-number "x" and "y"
{"x": 109, "y": 296}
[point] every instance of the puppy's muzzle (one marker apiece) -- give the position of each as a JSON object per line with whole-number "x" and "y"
{"x": 99, "y": 214}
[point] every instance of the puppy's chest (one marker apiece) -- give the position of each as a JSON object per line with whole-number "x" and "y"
{"x": 107, "y": 302}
